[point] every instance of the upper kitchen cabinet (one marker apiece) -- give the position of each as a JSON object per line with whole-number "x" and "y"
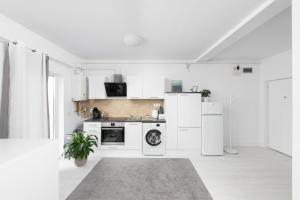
{"x": 134, "y": 87}
{"x": 96, "y": 87}
{"x": 189, "y": 110}
{"x": 153, "y": 87}
{"x": 79, "y": 86}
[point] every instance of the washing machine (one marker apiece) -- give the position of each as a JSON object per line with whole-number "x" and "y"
{"x": 154, "y": 139}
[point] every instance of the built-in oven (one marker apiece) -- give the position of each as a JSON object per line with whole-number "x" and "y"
{"x": 112, "y": 133}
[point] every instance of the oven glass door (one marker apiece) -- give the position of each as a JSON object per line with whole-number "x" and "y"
{"x": 112, "y": 136}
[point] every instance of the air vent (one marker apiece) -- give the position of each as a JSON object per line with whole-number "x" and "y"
{"x": 247, "y": 70}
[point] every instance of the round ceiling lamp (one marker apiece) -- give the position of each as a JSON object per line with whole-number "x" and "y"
{"x": 132, "y": 40}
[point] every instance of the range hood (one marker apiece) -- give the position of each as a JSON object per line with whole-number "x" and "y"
{"x": 115, "y": 89}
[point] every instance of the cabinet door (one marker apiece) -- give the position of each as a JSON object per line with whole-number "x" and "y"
{"x": 96, "y": 87}
{"x": 134, "y": 87}
{"x": 280, "y": 115}
{"x": 153, "y": 87}
{"x": 189, "y": 138}
{"x": 171, "y": 113}
{"x": 189, "y": 110}
{"x": 79, "y": 87}
{"x": 93, "y": 128}
{"x": 133, "y": 135}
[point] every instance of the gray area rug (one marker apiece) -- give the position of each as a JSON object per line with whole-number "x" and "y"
{"x": 142, "y": 179}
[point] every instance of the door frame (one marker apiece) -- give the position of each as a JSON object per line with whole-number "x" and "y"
{"x": 266, "y": 109}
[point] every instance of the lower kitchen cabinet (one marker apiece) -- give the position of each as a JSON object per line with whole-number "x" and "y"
{"x": 133, "y": 135}
{"x": 189, "y": 138}
{"x": 93, "y": 128}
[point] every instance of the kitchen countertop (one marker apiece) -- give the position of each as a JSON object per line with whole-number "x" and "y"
{"x": 127, "y": 119}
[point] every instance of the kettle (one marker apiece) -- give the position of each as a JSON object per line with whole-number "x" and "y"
{"x": 96, "y": 113}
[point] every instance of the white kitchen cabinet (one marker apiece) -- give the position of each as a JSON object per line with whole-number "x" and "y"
{"x": 171, "y": 115}
{"x": 280, "y": 115}
{"x": 93, "y": 128}
{"x": 79, "y": 86}
{"x": 133, "y": 135}
{"x": 189, "y": 139}
{"x": 153, "y": 87}
{"x": 189, "y": 110}
{"x": 134, "y": 87}
{"x": 96, "y": 87}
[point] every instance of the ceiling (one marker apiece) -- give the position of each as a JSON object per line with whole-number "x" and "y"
{"x": 172, "y": 29}
{"x": 275, "y": 36}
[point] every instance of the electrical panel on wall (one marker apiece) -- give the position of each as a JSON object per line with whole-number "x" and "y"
{"x": 247, "y": 70}
{"x": 238, "y": 70}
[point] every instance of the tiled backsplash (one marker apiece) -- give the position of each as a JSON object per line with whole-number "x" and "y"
{"x": 122, "y": 107}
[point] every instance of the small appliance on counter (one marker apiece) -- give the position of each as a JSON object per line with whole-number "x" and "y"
{"x": 96, "y": 113}
{"x": 156, "y": 110}
{"x": 161, "y": 114}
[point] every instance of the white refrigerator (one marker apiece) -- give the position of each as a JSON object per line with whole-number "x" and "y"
{"x": 212, "y": 128}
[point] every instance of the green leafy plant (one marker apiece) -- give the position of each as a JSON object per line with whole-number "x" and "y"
{"x": 80, "y": 146}
{"x": 205, "y": 93}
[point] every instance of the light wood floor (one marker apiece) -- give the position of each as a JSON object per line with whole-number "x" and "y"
{"x": 254, "y": 174}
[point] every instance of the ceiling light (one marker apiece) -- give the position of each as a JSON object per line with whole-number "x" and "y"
{"x": 132, "y": 40}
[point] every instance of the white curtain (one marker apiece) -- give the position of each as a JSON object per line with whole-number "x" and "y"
{"x": 4, "y": 86}
{"x": 28, "y": 102}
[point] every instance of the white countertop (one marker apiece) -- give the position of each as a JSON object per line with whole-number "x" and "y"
{"x": 13, "y": 148}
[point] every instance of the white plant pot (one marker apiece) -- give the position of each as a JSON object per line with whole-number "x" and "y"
{"x": 80, "y": 162}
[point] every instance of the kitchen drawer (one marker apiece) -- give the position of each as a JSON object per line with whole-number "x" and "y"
{"x": 92, "y": 126}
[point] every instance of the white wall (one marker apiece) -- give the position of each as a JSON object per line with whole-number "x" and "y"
{"x": 275, "y": 67}
{"x": 220, "y": 80}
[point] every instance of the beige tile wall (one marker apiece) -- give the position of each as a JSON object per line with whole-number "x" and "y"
{"x": 122, "y": 107}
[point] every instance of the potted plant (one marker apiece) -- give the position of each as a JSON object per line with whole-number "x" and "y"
{"x": 205, "y": 94}
{"x": 80, "y": 147}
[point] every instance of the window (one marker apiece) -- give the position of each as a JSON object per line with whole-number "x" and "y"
{"x": 51, "y": 101}
{"x": 56, "y": 109}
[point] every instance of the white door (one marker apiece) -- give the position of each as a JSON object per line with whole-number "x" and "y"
{"x": 280, "y": 115}
{"x": 153, "y": 87}
{"x": 134, "y": 87}
{"x": 212, "y": 135}
{"x": 189, "y": 138}
{"x": 133, "y": 135}
{"x": 171, "y": 112}
{"x": 96, "y": 87}
{"x": 189, "y": 110}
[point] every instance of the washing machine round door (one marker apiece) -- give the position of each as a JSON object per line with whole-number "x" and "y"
{"x": 153, "y": 137}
